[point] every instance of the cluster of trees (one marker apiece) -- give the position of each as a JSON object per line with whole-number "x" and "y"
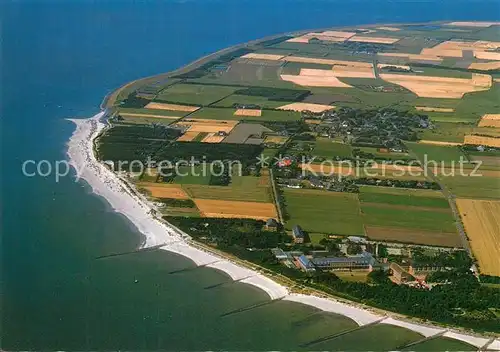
{"x": 177, "y": 203}
{"x": 232, "y": 234}
{"x": 454, "y": 259}
{"x": 463, "y": 301}
{"x": 372, "y": 181}
{"x": 137, "y": 142}
{"x": 244, "y": 153}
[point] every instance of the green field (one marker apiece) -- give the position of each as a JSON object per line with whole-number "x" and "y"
{"x": 159, "y": 112}
{"x": 453, "y": 132}
{"x": 193, "y": 175}
{"x": 195, "y": 94}
{"x": 326, "y": 148}
{"x": 245, "y": 188}
{"x": 445, "y": 155}
{"x": 323, "y": 211}
{"x": 473, "y": 187}
{"x": 416, "y": 201}
{"x": 228, "y": 114}
{"x": 408, "y": 218}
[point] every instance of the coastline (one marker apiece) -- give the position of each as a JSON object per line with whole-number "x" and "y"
{"x": 122, "y": 198}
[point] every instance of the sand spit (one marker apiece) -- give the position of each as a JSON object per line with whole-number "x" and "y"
{"x": 138, "y": 210}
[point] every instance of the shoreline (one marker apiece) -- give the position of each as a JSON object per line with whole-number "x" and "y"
{"x": 123, "y": 199}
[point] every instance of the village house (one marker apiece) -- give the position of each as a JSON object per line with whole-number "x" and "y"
{"x": 298, "y": 234}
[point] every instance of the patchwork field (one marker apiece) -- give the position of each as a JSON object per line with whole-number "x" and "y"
{"x": 323, "y": 212}
{"x": 481, "y": 219}
{"x": 228, "y": 114}
{"x": 232, "y": 209}
{"x": 401, "y": 172}
{"x": 207, "y": 125}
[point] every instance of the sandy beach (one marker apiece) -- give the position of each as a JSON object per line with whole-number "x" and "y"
{"x": 157, "y": 232}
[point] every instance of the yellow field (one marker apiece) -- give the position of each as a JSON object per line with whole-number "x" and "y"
{"x": 306, "y": 107}
{"x": 481, "y": 219}
{"x": 312, "y": 121}
{"x": 481, "y": 140}
{"x": 424, "y": 141}
{"x": 315, "y": 78}
{"x": 486, "y": 55}
{"x": 232, "y": 209}
{"x": 174, "y": 107}
{"x": 490, "y": 120}
{"x": 455, "y": 48}
{"x": 188, "y": 136}
{"x": 431, "y": 109}
{"x": 486, "y": 66}
{"x": 164, "y": 190}
{"x": 440, "y": 87}
{"x": 129, "y": 114}
{"x": 212, "y": 138}
{"x": 248, "y": 112}
{"x": 379, "y": 40}
{"x": 205, "y": 125}
{"x": 262, "y": 56}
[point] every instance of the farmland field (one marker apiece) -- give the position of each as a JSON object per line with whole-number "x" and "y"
{"x": 415, "y": 236}
{"x": 245, "y": 191}
{"x": 328, "y": 149}
{"x": 416, "y": 201}
{"x": 401, "y": 191}
{"x": 212, "y": 208}
{"x": 481, "y": 219}
{"x": 323, "y": 212}
{"x": 445, "y": 155}
{"x": 194, "y": 94}
{"x": 229, "y": 114}
{"x": 411, "y": 218}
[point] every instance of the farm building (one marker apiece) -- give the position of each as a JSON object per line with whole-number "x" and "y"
{"x": 271, "y": 225}
{"x": 298, "y": 234}
{"x": 279, "y": 253}
{"x": 364, "y": 261}
{"x": 305, "y": 264}
{"x": 399, "y": 274}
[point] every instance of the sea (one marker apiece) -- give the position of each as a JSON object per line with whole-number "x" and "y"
{"x": 58, "y": 60}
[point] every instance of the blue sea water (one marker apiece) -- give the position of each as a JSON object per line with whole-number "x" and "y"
{"x": 58, "y": 59}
